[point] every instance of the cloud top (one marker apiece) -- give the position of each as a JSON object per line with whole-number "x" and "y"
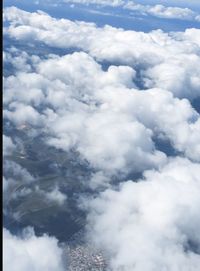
{"x": 30, "y": 252}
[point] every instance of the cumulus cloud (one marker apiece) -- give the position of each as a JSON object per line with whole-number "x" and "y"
{"x": 172, "y": 12}
{"x": 113, "y": 124}
{"x": 113, "y": 3}
{"x": 152, "y": 224}
{"x": 184, "y": 82}
{"x": 153, "y": 108}
{"x": 22, "y": 114}
{"x": 96, "y": 137}
{"x": 77, "y": 88}
{"x": 28, "y": 88}
{"x": 162, "y": 11}
{"x": 158, "y": 10}
{"x": 197, "y": 18}
{"x": 54, "y": 195}
{"x": 19, "y": 61}
{"x": 29, "y": 252}
{"x": 152, "y": 51}
{"x": 111, "y": 103}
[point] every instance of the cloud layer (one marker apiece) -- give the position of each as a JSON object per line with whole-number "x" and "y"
{"x": 157, "y": 10}
{"x": 153, "y": 51}
{"x": 152, "y": 224}
{"x": 123, "y": 102}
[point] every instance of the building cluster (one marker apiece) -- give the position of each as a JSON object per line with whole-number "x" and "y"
{"x": 82, "y": 258}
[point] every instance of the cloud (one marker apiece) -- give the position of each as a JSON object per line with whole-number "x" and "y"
{"x": 152, "y": 224}
{"x": 21, "y": 114}
{"x": 8, "y": 145}
{"x": 15, "y": 181}
{"x": 161, "y": 11}
{"x": 54, "y": 195}
{"x": 157, "y": 10}
{"x": 172, "y": 12}
{"x": 28, "y": 89}
{"x": 152, "y": 51}
{"x": 113, "y": 3}
{"x": 114, "y": 124}
{"x": 75, "y": 92}
{"x": 29, "y": 252}
{"x": 153, "y": 107}
{"x": 13, "y": 169}
{"x": 19, "y": 61}
{"x": 197, "y": 18}
{"x": 185, "y": 82}
{"x": 111, "y": 103}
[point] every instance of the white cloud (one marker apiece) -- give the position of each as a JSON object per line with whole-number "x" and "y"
{"x": 123, "y": 107}
{"x": 154, "y": 108}
{"x": 19, "y": 61}
{"x": 112, "y": 142}
{"x": 172, "y": 12}
{"x": 185, "y": 82}
{"x": 97, "y": 137}
{"x": 152, "y": 224}
{"x": 15, "y": 176}
{"x": 113, "y": 122}
{"x": 29, "y": 252}
{"x": 21, "y": 114}
{"x": 197, "y": 18}
{"x": 20, "y": 173}
{"x": 157, "y": 10}
{"x": 113, "y": 3}
{"x": 162, "y": 11}
{"x": 153, "y": 51}
{"x": 55, "y": 195}
{"x": 73, "y": 87}
{"x": 8, "y": 145}
{"x": 27, "y": 88}
{"x": 192, "y": 35}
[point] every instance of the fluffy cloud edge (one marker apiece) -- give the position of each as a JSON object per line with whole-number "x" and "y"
{"x": 29, "y": 252}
